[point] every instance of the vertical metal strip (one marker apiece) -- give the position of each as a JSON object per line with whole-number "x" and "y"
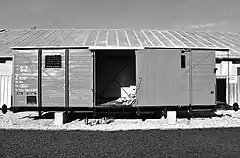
{"x": 67, "y": 79}
{"x": 13, "y": 80}
{"x": 39, "y": 80}
{"x": 228, "y": 82}
{"x": 94, "y": 78}
{"x": 190, "y": 77}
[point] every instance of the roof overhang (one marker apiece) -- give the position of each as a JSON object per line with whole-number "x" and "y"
{"x": 115, "y": 47}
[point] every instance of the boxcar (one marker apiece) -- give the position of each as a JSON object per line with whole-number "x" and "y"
{"x": 92, "y": 80}
{"x": 115, "y": 72}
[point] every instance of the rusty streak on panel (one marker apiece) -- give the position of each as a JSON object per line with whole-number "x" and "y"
{"x": 102, "y": 38}
{"x": 132, "y": 38}
{"x": 122, "y": 38}
{"x": 91, "y": 38}
{"x": 112, "y": 38}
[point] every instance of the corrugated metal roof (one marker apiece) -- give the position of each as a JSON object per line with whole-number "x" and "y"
{"x": 115, "y": 38}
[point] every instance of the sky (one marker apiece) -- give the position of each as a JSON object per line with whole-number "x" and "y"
{"x": 207, "y": 15}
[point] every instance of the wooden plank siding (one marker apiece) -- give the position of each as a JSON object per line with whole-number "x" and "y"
{"x": 25, "y": 76}
{"x": 53, "y": 81}
{"x": 80, "y": 78}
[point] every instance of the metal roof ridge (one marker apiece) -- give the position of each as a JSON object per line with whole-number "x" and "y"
{"x": 157, "y": 29}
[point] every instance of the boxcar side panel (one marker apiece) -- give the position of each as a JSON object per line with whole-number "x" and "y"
{"x": 25, "y": 78}
{"x": 203, "y": 77}
{"x": 145, "y": 61}
{"x": 80, "y": 78}
{"x": 171, "y": 80}
{"x": 53, "y": 78}
{"x": 164, "y": 82}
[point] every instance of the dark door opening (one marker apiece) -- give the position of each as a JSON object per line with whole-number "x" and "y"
{"x": 115, "y": 73}
{"x": 221, "y": 89}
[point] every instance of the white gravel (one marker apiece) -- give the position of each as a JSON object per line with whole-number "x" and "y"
{"x": 23, "y": 136}
{"x": 25, "y": 120}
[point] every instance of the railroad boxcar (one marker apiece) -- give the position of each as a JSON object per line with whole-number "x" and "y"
{"x": 133, "y": 74}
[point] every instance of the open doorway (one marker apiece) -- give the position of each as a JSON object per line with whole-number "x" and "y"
{"x": 115, "y": 75}
{"x": 221, "y": 90}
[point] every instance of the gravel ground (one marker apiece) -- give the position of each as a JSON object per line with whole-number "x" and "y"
{"x": 22, "y": 135}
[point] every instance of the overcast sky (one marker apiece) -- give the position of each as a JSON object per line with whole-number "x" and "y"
{"x": 216, "y": 15}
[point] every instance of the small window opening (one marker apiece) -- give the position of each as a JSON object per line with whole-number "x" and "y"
{"x": 31, "y": 100}
{"x": 183, "y": 61}
{"x": 53, "y": 61}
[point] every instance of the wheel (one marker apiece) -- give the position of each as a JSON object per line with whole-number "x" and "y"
{"x": 189, "y": 113}
{"x": 138, "y": 112}
{"x": 165, "y": 113}
{"x": 86, "y": 121}
{"x": 4, "y": 109}
{"x": 235, "y": 106}
{"x": 39, "y": 114}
